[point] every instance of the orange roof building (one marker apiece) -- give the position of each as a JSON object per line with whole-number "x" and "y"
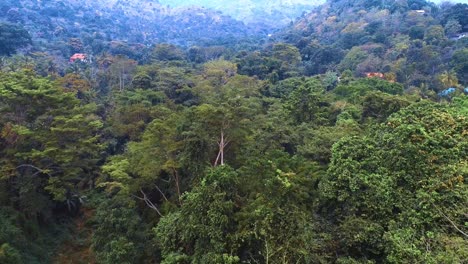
{"x": 375, "y": 75}
{"x": 78, "y": 56}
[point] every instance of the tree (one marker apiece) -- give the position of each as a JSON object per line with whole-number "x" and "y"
{"x": 76, "y": 45}
{"x": 229, "y": 218}
{"x": 456, "y": 12}
{"x": 51, "y": 143}
{"x": 353, "y": 90}
{"x": 417, "y": 32}
{"x": 119, "y": 233}
{"x": 156, "y": 157}
{"x": 355, "y": 56}
{"x": 434, "y": 35}
{"x": 132, "y": 111}
{"x": 452, "y": 27}
{"x": 219, "y": 72}
{"x": 203, "y": 230}
{"x": 253, "y": 64}
{"x": 380, "y": 106}
{"x": 460, "y": 64}
{"x": 167, "y": 52}
{"x": 276, "y": 224}
{"x": 399, "y": 190}
{"x": 289, "y": 58}
{"x": 448, "y": 79}
{"x": 74, "y": 83}
{"x": 306, "y": 103}
{"x": 117, "y": 72}
{"x": 317, "y": 142}
{"x": 318, "y": 59}
{"x": 12, "y": 37}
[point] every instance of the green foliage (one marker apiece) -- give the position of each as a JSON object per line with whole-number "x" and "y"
{"x": 119, "y": 233}
{"x": 318, "y": 142}
{"x": 379, "y": 106}
{"x": 167, "y": 52}
{"x": 276, "y": 223}
{"x": 9, "y": 255}
{"x": 460, "y": 64}
{"x": 361, "y": 87}
{"x": 12, "y": 37}
{"x": 234, "y": 150}
{"x": 456, "y": 12}
{"x": 203, "y": 228}
{"x": 452, "y": 27}
{"x": 307, "y": 103}
{"x": 49, "y": 134}
{"x": 147, "y": 160}
{"x": 134, "y": 110}
{"x": 23, "y": 240}
{"x": 11, "y": 238}
{"x": 434, "y": 35}
{"x": 255, "y": 64}
{"x": 226, "y": 220}
{"x": 355, "y": 56}
{"x": 289, "y": 58}
{"x": 406, "y": 179}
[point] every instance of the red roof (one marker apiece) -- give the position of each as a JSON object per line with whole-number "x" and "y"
{"x": 77, "y": 56}
{"x": 375, "y": 75}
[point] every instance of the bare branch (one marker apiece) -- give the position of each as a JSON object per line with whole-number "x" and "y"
{"x": 217, "y": 158}
{"x": 148, "y": 202}
{"x": 164, "y": 196}
{"x": 39, "y": 170}
{"x": 176, "y": 178}
{"x": 450, "y": 221}
{"x": 166, "y": 181}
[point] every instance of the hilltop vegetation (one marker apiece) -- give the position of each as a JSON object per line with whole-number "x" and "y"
{"x": 275, "y": 14}
{"x": 342, "y": 138}
{"x": 413, "y": 42}
{"x": 97, "y": 26}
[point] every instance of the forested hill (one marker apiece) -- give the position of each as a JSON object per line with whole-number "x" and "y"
{"x": 413, "y": 41}
{"x": 132, "y": 132}
{"x": 96, "y": 23}
{"x": 271, "y": 13}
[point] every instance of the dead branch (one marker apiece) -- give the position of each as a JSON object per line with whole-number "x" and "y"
{"x": 450, "y": 221}
{"x": 164, "y": 196}
{"x": 148, "y": 202}
{"x": 38, "y": 170}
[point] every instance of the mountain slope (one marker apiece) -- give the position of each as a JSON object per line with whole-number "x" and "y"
{"x": 270, "y": 12}
{"x": 413, "y": 41}
{"x": 145, "y": 22}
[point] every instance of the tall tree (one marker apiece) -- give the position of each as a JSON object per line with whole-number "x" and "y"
{"x": 50, "y": 142}
{"x": 401, "y": 189}
{"x": 12, "y": 37}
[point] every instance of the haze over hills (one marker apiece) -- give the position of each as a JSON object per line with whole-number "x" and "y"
{"x": 274, "y": 12}
{"x": 144, "y": 22}
{"x": 278, "y": 12}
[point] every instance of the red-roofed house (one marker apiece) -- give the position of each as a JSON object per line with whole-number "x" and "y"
{"x": 375, "y": 75}
{"x": 78, "y": 56}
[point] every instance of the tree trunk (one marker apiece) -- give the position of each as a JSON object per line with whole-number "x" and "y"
{"x": 223, "y": 142}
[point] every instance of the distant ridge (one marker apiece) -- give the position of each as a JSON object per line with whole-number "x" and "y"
{"x": 270, "y": 12}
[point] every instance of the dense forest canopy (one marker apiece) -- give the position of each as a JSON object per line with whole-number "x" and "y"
{"x": 275, "y": 14}
{"x": 142, "y": 132}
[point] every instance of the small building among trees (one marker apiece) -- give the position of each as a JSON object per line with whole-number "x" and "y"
{"x": 78, "y": 56}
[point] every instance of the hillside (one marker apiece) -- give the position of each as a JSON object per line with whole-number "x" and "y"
{"x": 133, "y": 22}
{"x": 415, "y": 41}
{"x": 272, "y": 13}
